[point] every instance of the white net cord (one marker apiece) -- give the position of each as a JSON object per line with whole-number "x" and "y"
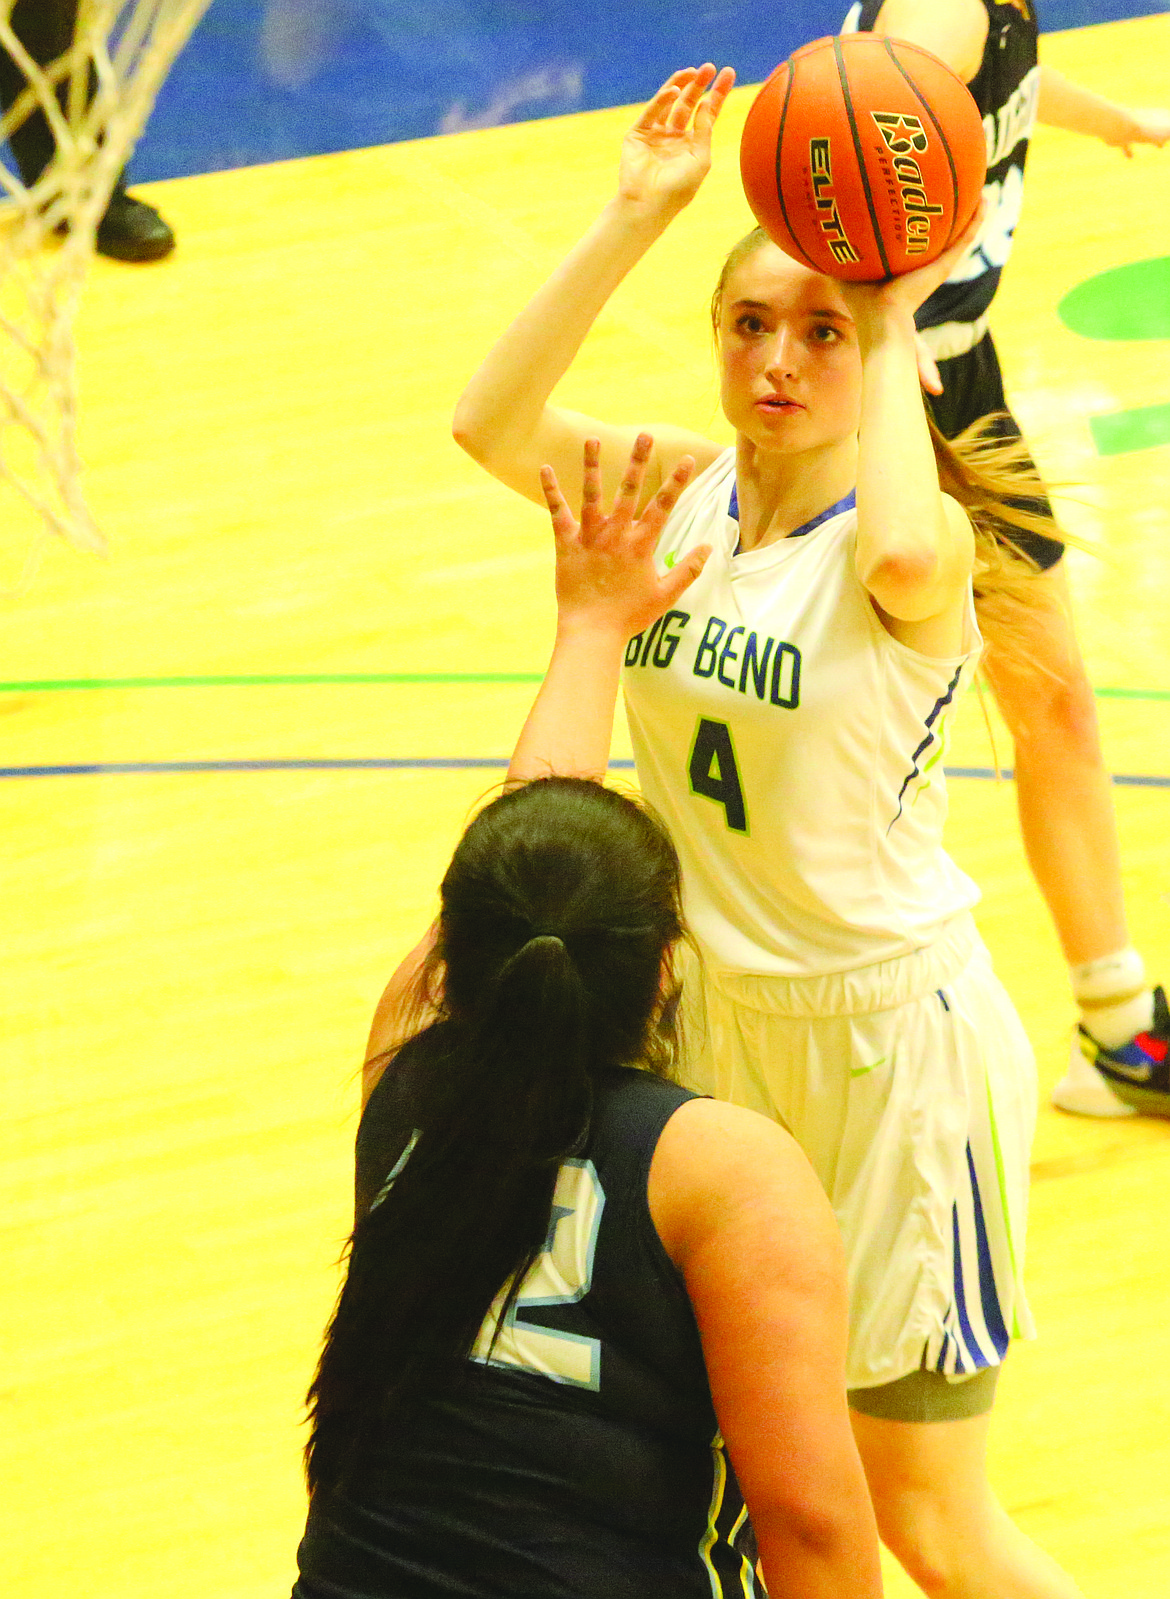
{"x": 95, "y": 97}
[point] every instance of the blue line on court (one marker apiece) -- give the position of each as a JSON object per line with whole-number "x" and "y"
{"x": 344, "y": 764}
{"x": 415, "y": 763}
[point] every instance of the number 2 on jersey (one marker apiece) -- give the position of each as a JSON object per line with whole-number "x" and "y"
{"x": 560, "y": 1275}
{"x": 714, "y": 773}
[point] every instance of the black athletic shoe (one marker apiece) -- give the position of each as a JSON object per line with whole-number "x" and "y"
{"x": 1137, "y": 1074}
{"x": 131, "y": 230}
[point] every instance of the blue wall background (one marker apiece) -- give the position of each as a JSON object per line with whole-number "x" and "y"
{"x": 263, "y": 80}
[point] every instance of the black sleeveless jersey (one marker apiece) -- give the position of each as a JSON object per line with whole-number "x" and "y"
{"x": 581, "y": 1459}
{"x": 1006, "y": 89}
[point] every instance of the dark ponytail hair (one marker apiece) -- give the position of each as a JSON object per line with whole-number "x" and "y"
{"x": 559, "y": 907}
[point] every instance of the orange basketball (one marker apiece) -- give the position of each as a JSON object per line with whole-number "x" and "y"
{"x": 863, "y": 156}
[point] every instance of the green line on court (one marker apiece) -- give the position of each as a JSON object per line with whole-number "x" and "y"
{"x": 1121, "y": 432}
{"x": 49, "y": 685}
{"x": 1127, "y": 302}
{"x": 1132, "y": 693}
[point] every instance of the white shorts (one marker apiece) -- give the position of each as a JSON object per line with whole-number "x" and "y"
{"x": 911, "y": 1087}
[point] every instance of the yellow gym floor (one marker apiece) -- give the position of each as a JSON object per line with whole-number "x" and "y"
{"x": 192, "y": 956}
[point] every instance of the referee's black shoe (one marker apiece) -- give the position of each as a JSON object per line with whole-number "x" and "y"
{"x": 131, "y": 230}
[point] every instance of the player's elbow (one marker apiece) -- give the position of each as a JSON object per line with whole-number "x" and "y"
{"x": 815, "y": 1527}
{"x": 904, "y": 581}
{"x": 799, "y": 1535}
{"x": 469, "y": 431}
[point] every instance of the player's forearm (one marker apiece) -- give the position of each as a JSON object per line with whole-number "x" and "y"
{"x": 902, "y": 528}
{"x": 1064, "y": 104}
{"x": 501, "y": 408}
{"x": 570, "y": 726}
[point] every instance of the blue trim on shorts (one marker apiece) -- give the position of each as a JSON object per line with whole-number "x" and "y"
{"x": 992, "y": 1311}
{"x": 978, "y": 1358}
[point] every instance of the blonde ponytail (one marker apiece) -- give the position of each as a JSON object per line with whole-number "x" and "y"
{"x": 992, "y": 476}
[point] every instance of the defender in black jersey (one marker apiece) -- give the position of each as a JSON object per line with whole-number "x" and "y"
{"x": 1066, "y": 804}
{"x": 953, "y": 320}
{"x": 604, "y": 1475}
{"x": 570, "y": 1280}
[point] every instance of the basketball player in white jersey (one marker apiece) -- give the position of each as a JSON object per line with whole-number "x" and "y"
{"x": 787, "y": 715}
{"x": 1120, "y": 1059}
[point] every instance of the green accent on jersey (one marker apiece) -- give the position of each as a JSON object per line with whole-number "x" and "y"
{"x": 941, "y": 748}
{"x": 1007, "y": 1215}
{"x": 860, "y": 1071}
{"x": 711, "y": 1535}
{"x": 747, "y": 1572}
{"x": 670, "y": 559}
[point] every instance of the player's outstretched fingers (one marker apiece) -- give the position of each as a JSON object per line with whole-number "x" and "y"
{"x": 664, "y": 502}
{"x": 658, "y": 107}
{"x": 630, "y": 489}
{"x": 680, "y": 577}
{"x": 592, "y": 515}
{"x": 912, "y": 288}
{"x": 712, "y": 104}
{"x": 564, "y": 523}
{"x": 689, "y": 97}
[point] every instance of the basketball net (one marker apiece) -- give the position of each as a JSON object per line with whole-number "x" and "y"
{"x": 96, "y": 98}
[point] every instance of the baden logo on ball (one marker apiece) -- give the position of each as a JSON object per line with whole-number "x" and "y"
{"x": 863, "y": 156}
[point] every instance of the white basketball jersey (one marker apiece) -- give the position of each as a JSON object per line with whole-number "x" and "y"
{"x": 794, "y": 749}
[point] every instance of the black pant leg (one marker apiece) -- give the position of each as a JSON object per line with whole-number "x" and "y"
{"x": 973, "y": 389}
{"x": 45, "y": 28}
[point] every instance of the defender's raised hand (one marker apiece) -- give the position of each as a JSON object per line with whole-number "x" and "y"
{"x": 606, "y": 577}
{"x": 608, "y": 589}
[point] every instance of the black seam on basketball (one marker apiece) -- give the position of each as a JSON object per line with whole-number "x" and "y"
{"x": 926, "y": 106}
{"x": 844, "y": 81}
{"x": 779, "y": 182}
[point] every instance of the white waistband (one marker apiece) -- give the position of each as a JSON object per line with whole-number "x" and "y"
{"x": 883, "y": 986}
{"x": 954, "y": 338}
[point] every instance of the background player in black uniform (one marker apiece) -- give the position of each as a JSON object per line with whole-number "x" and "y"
{"x": 1062, "y": 786}
{"x": 570, "y": 1280}
{"x": 130, "y": 230}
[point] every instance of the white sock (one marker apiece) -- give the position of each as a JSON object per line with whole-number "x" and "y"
{"x": 1115, "y": 999}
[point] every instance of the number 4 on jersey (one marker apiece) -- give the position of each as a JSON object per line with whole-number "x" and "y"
{"x": 714, "y": 773}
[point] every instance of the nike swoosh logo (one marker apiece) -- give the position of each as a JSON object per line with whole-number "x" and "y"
{"x": 1121, "y": 1068}
{"x": 860, "y": 1071}
{"x": 670, "y": 559}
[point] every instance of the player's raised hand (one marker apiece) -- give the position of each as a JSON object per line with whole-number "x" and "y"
{"x": 1151, "y": 126}
{"x": 908, "y": 290}
{"x": 667, "y": 153}
{"x": 606, "y": 577}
